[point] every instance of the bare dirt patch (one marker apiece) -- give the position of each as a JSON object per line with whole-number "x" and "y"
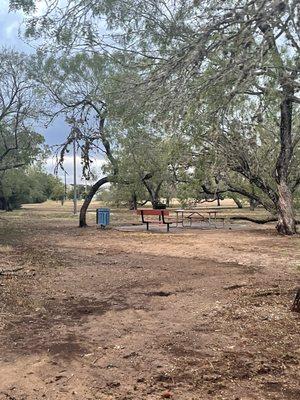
{"x": 131, "y": 315}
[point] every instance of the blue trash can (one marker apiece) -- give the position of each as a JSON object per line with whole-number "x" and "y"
{"x": 102, "y": 217}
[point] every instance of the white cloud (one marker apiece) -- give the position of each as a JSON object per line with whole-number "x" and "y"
{"x": 10, "y": 23}
{"x": 3, "y": 6}
{"x": 11, "y": 30}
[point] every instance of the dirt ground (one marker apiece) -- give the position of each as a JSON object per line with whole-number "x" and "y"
{"x": 193, "y": 314}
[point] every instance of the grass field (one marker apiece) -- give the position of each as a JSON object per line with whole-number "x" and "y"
{"x": 51, "y": 209}
{"x": 113, "y": 314}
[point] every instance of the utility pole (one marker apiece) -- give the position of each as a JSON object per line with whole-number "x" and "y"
{"x": 65, "y": 185}
{"x": 75, "y": 183}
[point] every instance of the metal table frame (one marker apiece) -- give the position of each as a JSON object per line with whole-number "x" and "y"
{"x": 212, "y": 215}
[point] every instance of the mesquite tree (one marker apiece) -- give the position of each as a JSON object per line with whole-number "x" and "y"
{"x": 242, "y": 152}
{"x": 214, "y": 54}
{"x": 197, "y": 56}
{"x": 75, "y": 87}
{"x": 145, "y": 157}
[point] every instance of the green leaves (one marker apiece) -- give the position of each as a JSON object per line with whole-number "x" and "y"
{"x": 29, "y": 185}
{"x": 25, "y": 5}
{"x": 19, "y": 143}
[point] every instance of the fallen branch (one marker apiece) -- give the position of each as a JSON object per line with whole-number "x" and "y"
{"x": 256, "y": 221}
{"x": 10, "y": 271}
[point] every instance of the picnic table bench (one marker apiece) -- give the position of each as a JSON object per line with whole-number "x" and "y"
{"x": 163, "y": 217}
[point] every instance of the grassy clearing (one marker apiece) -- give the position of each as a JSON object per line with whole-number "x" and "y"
{"x": 51, "y": 209}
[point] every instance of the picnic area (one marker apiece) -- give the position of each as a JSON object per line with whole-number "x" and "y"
{"x": 149, "y": 200}
{"x": 195, "y": 313}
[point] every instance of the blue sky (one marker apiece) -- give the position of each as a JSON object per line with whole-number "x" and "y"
{"x": 9, "y": 37}
{"x": 9, "y": 25}
{"x": 56, "y": 133}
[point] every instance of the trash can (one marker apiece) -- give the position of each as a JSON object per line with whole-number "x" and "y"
{"x": 102, "y": 217}
{"x": 160, "y": 206}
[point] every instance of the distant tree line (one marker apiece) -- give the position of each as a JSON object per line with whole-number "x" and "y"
{"x": 31, "y": 185}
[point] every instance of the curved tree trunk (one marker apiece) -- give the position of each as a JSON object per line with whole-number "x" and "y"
{"x": 237, "y": 202}
{"x": 107, "y": 146}
{"x": 154, "y": 193}
{"x": 89, "y": 198}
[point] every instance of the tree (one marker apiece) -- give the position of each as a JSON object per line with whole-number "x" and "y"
{"x": 52, "y": 186}
{"x": 81, "y": 190}
{"x": 76, "y": 88}
{"x": 144, "y": 162}
{"x": 197, "y": 57}
{"x": 30, "y": 185}
{"x": 19, "y": 143}
{"x": 249, "y": 53}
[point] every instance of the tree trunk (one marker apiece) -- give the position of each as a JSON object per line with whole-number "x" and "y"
{"x": 89, "y": 198}
{"x": 133, "y": 202}
{"x": 252, "y": 200}
{"x": 252, "y": 204}
{"x": 5, "y": 205}
{"x": 237, "y": 202}
{"x": 167, "y": 201}
{"x": 2, "y": 204}
{"x": 286, "y": 224}
{"x": 154, "y": 194}
{"x": 155, "y": 202}
{"x": 286, "y": 219}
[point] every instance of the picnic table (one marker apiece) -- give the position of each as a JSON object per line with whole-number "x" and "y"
{"x": 160, "y": 217}
{"x": 198, "y": 215}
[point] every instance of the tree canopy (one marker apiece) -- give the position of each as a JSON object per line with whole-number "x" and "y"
{"x": 224, "y": 74}
{"x": 19, "y": 143}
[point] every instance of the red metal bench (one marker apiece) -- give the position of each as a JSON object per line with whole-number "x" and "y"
{"x": 161, "y": 214}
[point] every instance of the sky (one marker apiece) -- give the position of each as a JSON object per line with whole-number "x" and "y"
{"x": 56, "y": 133}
